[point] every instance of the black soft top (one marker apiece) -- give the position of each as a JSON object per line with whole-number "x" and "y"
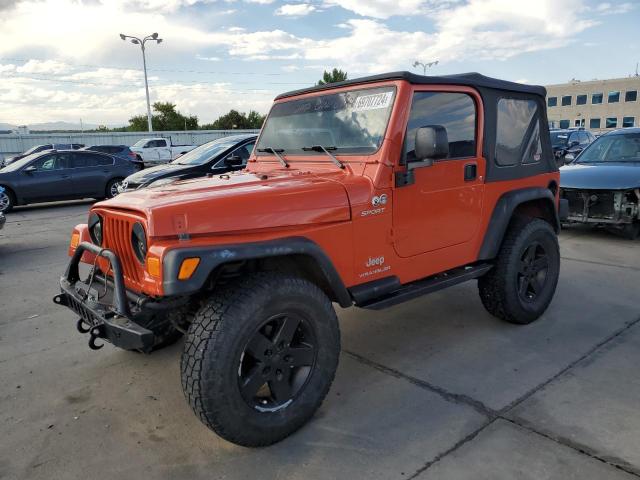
{"x": 464, "y": 79}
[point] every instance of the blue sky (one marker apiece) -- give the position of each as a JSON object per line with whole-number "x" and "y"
{"x": 63, "y": 59}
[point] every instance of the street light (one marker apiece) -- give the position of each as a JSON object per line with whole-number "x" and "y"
{"x": 137, "y": 41}
{"x": 424, "y": 65}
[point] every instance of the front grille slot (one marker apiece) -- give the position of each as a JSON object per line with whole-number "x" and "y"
{"x": 118, "y": 238}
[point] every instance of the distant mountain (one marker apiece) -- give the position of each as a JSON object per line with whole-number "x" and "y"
{"x": 47, "y": 126}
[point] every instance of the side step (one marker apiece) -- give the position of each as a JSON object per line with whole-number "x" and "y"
{"x": 427, "y": 285}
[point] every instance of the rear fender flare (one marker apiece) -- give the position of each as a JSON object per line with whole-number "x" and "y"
{"x": 213, "y": 257}
{"x": 503, "y": 213}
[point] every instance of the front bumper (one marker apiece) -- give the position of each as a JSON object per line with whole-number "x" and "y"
{"x": 106, "y": 309}
{"x": 606, "y": 207}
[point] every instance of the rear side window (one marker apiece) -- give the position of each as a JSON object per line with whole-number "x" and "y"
{"x": 93, "y": 160}
{"x": 456, "y": 112}
{"x": 518, "y": 133}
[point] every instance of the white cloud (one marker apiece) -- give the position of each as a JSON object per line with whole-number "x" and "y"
{"x": 295, "y": 9}
{"x": 607, "y": 8}
{"x": 379, "y": 8}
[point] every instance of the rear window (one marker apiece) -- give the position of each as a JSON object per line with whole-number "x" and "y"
{"x": 518, "y": 133}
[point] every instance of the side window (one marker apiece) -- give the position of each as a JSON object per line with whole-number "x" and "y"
{"x": 78, "y": 160}
{"x": 103, "y": 160}
{"x": 244, "y": 152}
{"x": 49, "y": 162}
{"x": 161, "y": 143}
{"x": 456, "y": 112}
{"x": 518, "y": 133}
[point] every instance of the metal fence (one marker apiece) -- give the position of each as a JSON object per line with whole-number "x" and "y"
{"x": 13, "y": 144}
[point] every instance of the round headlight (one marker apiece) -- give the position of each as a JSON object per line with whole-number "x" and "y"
{"x": 139, "y": 242}
{"x": 95, "y": 228}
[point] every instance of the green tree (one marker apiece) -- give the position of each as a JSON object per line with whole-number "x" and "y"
{"x": 236, "y": 120}
{"x": 164, "y": 118}
{"x": 334, "y": 76}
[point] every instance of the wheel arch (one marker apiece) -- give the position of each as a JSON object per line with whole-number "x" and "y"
{"x": 536, "y": 202}
{"x": 296, "y": 255}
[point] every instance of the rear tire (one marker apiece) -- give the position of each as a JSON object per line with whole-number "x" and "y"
{"x": 241, "y": 378}
{"x": 7, "y": 200}
{"x": 523, "y": 281}
{"x": 112, "y": 187}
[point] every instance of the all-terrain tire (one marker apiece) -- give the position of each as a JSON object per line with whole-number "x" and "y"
{"x": 217, "y": 343}
{"x": 506, "y": 291}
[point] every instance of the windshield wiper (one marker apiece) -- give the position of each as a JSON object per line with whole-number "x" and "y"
{"x": 276, "y": 152}
{"x": 320, "y": 148}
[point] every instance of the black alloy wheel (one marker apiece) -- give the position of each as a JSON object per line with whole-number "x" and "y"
{"x": 532, "y": 274}
{"x": 277, "y": 362}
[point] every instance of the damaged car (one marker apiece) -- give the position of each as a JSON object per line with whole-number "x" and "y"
{"x": 602, "y": 184}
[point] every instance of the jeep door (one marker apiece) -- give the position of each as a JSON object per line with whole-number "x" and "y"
{"x": 48, "y": 180}
{"x": 443, "y": 205}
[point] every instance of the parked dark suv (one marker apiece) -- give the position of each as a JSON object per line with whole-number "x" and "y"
{"x": 122, "y": 151}
{"x": 569, "y": 141}
{"x": 62, "y": 175}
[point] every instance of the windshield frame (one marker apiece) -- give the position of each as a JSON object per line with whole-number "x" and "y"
{"x": 330, "y": 91}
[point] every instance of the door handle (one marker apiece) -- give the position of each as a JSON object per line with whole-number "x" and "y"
{"x": 470, "y": 172}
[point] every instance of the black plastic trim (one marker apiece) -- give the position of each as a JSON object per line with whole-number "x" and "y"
{"x": 427, "y": 285}
{"x": 503, "y": 212}
{"x": 366, "y": 292}
{"x": 463, "y": 79}
{"x": 213, "y": 257}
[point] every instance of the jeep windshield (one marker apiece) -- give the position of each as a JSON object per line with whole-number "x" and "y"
{"x": 352, "y": 122}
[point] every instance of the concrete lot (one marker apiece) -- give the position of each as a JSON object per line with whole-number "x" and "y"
{"x": 432, "y": 389}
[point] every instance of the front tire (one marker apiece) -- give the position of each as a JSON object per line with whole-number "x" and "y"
{"x": 523, "y": 281}
{"x": 7, "y": 201}
{"x": 260, "y": 357}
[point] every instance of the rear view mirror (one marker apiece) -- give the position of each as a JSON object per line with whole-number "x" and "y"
{"x": 432, "y": 143}
{"x": 30, "y": 169}
{"x": 233, "y": 161}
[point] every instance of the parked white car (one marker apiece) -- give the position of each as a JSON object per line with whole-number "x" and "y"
{"x": 159, "y": 150}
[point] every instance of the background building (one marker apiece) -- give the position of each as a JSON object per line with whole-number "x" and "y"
{"x": 597, "y": 105}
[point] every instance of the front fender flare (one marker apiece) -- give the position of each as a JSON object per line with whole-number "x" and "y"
{"x": 213, "y": 257}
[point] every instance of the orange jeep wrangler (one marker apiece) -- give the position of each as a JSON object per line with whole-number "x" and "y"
{"x": 368, "y": 192}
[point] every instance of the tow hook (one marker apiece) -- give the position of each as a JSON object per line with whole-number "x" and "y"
{"x": 96, "y": 332}
{"x": 80, "y": 325}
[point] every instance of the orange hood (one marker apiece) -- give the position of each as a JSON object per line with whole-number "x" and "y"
{"x": 237, "y": 202}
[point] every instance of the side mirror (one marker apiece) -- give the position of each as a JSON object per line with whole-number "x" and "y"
{"x": 30, "y": 169}
{"x": 569, "y": 157}
{"x": 432, "y": 143}
{"x": 233, "y": 161}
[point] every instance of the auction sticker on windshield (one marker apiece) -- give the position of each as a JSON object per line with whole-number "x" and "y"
{"x": 373, "y": 102}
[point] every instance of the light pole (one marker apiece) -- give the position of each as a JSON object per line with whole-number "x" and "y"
{"x": 137, "y": 41}
{"x": 424, "y": 65}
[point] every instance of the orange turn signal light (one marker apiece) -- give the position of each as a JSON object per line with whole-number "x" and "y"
{"x": 75, "y": 240}
{"x": 187, "y": 268}
{"x": 153, "y": 266}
